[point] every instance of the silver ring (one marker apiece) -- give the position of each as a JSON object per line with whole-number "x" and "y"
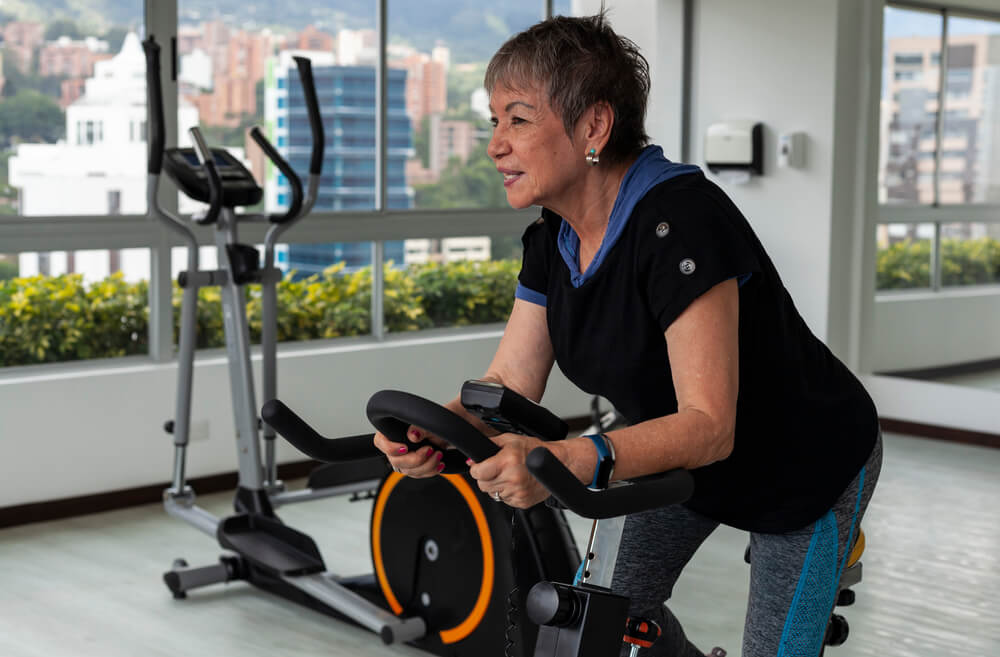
{"x": 496, "y": 496}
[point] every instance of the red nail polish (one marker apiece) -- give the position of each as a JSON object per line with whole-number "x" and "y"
{"x": 415, "y": 433}
{"x": 440, "y": 455}
{"x": 469, "y": 462}
{"x": 402, "y": 450}
{"x": 440, "y": 467}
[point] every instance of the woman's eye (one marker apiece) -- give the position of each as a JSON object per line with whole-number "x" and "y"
{"x": 494, "y": 122}
{"x": 516, "y": 119}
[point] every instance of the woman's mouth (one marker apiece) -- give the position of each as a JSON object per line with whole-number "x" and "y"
{"x": 510, "y": 177}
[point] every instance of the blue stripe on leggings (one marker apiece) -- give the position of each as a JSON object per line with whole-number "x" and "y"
{"x": 812, "y": 598}
{"x": 805, "y": 626}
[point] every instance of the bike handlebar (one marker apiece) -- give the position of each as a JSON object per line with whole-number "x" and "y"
{"x": 652, "y": 492}
{"x": 296, "y": 431}
{"x": 393, "y": 412}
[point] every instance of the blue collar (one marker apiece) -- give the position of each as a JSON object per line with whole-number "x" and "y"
{"x": 648, "y": 171}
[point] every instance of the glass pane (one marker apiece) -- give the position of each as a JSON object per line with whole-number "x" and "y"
{"x": 62, "y": 306}
{"x": 441, "y": 57}
{"x": 73, "y": 113}
{"x": 970, "y": 157}
{"x": 562, "y": 8}
{"x": 904, "y": 256}
{"x": 970, "y": 254}
{"x": 325, "y": 292}
{"x": 459, "y": 281}
{"x": 909, "y": 106}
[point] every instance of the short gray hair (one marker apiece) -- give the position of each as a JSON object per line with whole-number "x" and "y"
{"x": 580, "y": 62}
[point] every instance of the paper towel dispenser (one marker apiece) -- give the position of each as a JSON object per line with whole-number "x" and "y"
{"x": 735, "y": 146}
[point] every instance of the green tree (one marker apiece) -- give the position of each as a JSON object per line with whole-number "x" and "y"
{"x": 62, "y": 27}
{"x": 17, "y": 81}
{"x": 30, "y": 116}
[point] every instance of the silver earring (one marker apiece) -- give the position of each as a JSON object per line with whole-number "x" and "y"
{"x": 593, "y": 158}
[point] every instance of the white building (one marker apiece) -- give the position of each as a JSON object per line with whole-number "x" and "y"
{"x": 99, "y": 169}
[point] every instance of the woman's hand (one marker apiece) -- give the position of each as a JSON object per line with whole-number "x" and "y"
{"x": 505, "y": 476}
{"x": 422, "y": 463}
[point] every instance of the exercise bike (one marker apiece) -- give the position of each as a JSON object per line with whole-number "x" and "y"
{"x": 450, "y": 615}
{"x": 583, "y": 619}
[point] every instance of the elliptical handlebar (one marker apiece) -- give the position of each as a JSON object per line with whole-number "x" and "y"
{"x": 315, "y": 120}
{"x": 207, "y": 160}
{"x": 295, "y": 206}
{"x": 157, "y": 132}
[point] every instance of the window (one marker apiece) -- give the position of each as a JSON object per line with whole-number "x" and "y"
{"x": 69, "y": 160}
{"x": 233, "y": 74}
{"x": 938, "y": 152}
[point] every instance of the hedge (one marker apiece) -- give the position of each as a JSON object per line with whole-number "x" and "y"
{"x": 59, "y": 318}
{"x": 50, "y": 319}
{"x": 907, "y": 264}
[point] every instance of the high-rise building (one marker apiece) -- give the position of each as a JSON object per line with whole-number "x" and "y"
{"x": 968, "y": 169}
{"x": 347, "y": 102}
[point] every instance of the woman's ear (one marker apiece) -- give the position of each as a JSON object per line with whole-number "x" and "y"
{"x": 599, "y": 120}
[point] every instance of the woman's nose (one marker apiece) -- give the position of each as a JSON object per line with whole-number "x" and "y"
{"x": 498, "y": 146}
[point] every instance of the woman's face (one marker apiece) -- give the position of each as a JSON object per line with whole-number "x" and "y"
{"x": 530, "y": 147}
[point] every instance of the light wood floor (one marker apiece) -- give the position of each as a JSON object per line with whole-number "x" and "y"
{"x": 91, "y": 586}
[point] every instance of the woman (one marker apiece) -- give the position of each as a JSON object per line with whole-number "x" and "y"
{"x": 647, "y": 286}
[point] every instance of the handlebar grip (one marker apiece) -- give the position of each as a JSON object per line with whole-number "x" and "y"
{"x": 293, "y": 180}
{"x": 296, "y": 431}
{"x": 207, "y": 160}
{"x": 315, "y": 120}
{"x": 671, "y": 487}
{"x": 392, "y": 412}
{"x": 157, "y": 130}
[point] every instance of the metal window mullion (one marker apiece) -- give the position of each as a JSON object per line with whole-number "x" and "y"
{"x": 935, "y": 264}
{"x": 381, "y": 167}
{"x": 161, "y": 21}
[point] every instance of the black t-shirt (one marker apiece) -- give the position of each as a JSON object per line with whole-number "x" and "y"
{"x": 804, "y": 423}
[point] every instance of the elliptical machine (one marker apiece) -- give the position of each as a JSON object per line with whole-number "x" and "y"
{"x": 442, "y": 564}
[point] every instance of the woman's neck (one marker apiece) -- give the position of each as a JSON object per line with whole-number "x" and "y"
{"x": 589, "y": 211}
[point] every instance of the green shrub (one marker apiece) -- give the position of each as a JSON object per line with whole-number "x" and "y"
{"x": 48, "y": 319}
{"x": 907, "y": 264}
{"x": 58, "y": 318}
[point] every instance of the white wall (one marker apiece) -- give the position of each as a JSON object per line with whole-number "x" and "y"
{"x": 915, "y": 331}
{"x": 93, "y": 428}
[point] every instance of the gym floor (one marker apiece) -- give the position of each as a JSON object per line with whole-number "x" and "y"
{"x": 91, "y": 585}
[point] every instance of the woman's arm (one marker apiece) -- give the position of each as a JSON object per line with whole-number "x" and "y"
{"x": 522, "y": 362}
{"x": 703, "y": 346}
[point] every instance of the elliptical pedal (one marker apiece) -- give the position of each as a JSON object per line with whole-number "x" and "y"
{"x": 270, "y": 545}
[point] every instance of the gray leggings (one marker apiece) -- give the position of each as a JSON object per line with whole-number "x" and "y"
{"x": 793, "y": 576}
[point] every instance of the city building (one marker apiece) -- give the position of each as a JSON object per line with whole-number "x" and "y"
{"x": 426, "y": 84}
{"x": 72, "y": 58}
{"x": 970, "y": 153}
{"x": 99, "y": 169}
{"x": 21, "y": 39}
{"x": 347, "y": 102}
